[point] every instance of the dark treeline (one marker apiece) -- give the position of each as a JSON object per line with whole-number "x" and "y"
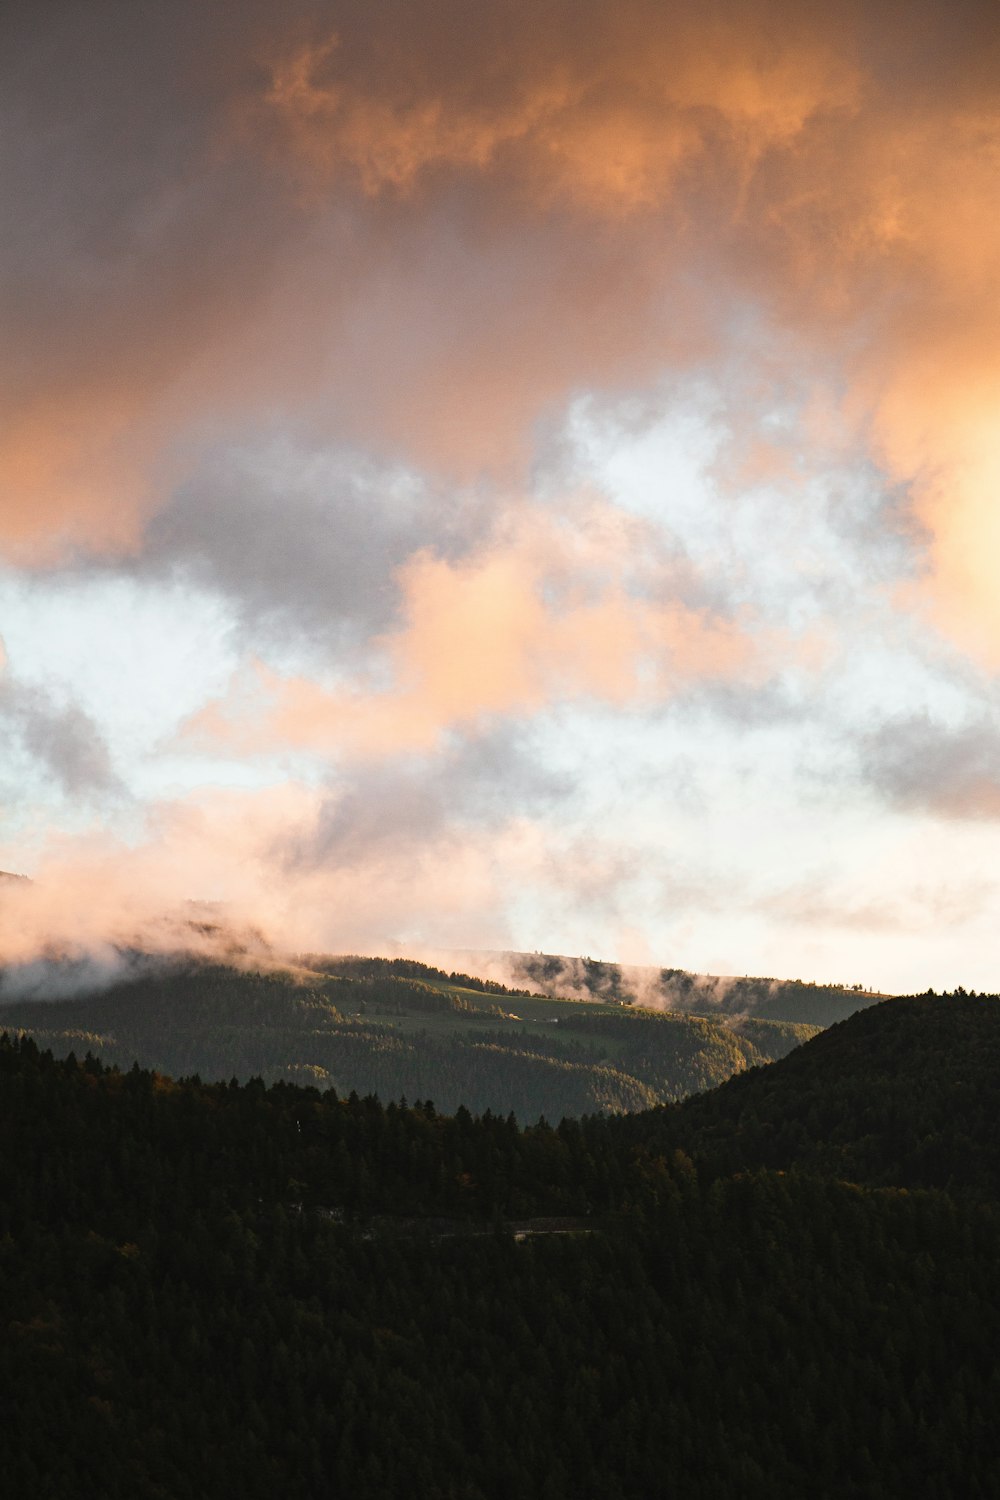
{"x": 233, "y": 1288}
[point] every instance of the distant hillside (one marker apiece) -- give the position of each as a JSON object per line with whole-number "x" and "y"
{"x": 397, "y": 1029}
{"x": 678, "y": 989}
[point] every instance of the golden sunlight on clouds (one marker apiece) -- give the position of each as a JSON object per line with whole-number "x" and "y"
{"x": 604, "y": 119}
{"x": 962, "y": 511}
{"x": 72, "y": 473}
{"x": 247, "y": 858}
{"x": 930, "y": 381}
{"x": 510, "y": 630}
{"x": 424, "y": 232}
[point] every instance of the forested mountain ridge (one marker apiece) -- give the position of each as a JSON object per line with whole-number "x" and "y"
{"x": 206, "y": 1295}
{"x": 905, "y": 1093}
{"x": 399, "y": 1028}
{"x": 680, "y": 990}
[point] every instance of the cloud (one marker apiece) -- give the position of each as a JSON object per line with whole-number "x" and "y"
{"x": 475, "y": 784}
{"x": 423, "y": 231}
{"x": 551, "y": 609}
{"x": 912, "y": 908}
{"x": 57, "y": 736}
{"x": 125, "y": 251}
{"x": 580, "y": 104}
{"x": 302, "y": 544}
{"x": 919, "y": 765}
{"x": 283, "y": 869}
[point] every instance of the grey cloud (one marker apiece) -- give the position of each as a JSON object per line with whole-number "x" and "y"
{"x": 742, "y": 705}
{"x": 390, "y": 808}
{"x": 310, "y": 550}
{"x": 916, "y": 764}
{"x": 120, "y": 199}
{"x": 303, "y": 543}
{"x": 59, "y": 738}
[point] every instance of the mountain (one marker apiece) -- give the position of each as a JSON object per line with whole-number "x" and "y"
{"x": 233, "y": 1289}
{"x": 398, "y": 1028}
{"x": 904, "y": 1094}
{"x": 678, "y": 990}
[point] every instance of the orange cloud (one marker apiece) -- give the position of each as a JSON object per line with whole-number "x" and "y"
{"x": 603, "y": 114}
{"x": 546, "y": 614}
{"x": 926, "y": 383}
{"x": 220, "y": 868}
{"x": 73, "y": 472}
{"x": 424, "y": 230}
{"x": 152, "y": 308}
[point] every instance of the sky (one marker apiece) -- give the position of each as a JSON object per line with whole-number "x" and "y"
{"x": 504, "y": 476}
